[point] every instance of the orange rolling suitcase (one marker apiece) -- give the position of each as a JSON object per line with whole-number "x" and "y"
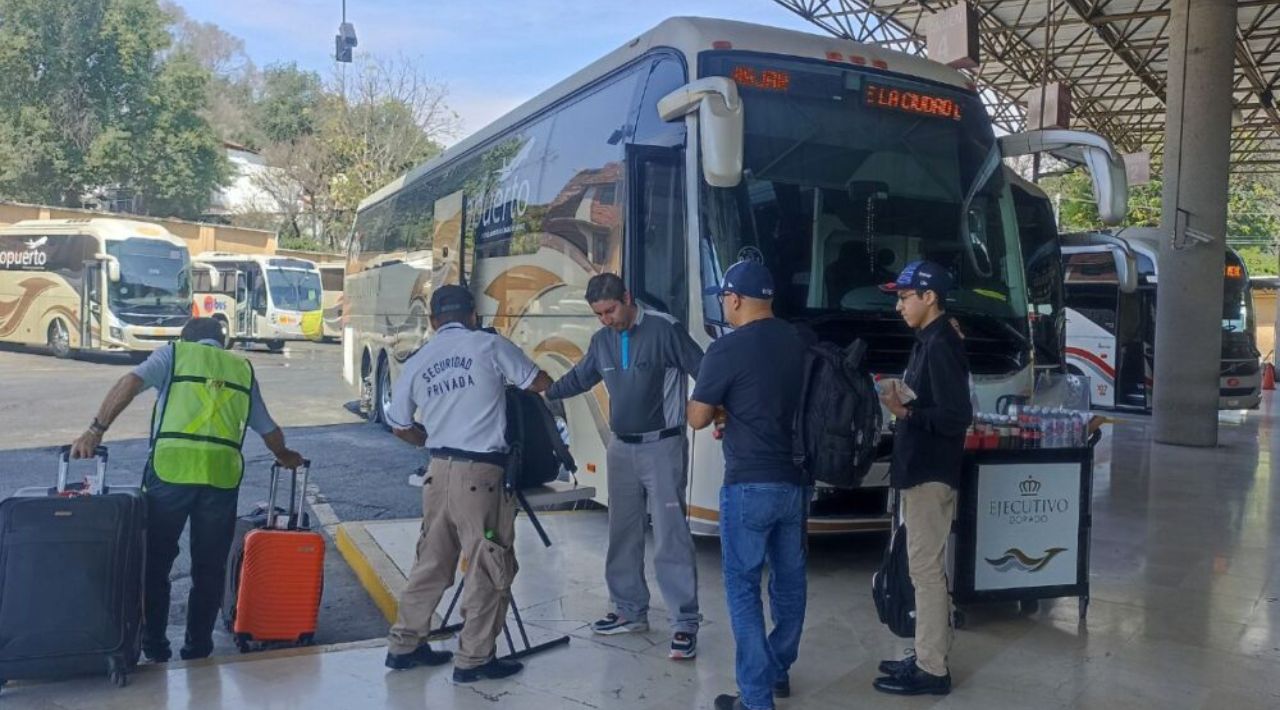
{"x": 280, "y": 574}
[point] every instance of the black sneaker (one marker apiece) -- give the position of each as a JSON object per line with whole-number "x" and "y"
{"x": 782, "y": 688}
{"x": 493, "y": 670}
{"x": 195, "y": 652}
{"x": 420, "y": 656}
{"x": 613, "y": 624}
{"x": 684, "y": 646}
{"x": 157, "y": 653}
{"x": 914, "y": 681}
{"x": 729, "y": 702}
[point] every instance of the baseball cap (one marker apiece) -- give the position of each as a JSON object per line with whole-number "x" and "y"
{"x": 921, "y": 276}
{"x": 745, "y": 278}
{"x": 451, "y": 299}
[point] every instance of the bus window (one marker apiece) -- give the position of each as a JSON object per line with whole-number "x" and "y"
{"x": 666, "y": 76}
{"x": 657, "y": 254}
{"x": 332, "y": 279}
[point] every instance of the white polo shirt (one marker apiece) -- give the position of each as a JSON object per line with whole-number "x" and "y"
{"x": 455, "y": 383}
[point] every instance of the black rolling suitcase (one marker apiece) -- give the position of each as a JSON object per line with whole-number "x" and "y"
{"x": 71, "y": 570}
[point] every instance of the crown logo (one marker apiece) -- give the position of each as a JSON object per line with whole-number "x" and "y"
{"x": 1029, "y": 487}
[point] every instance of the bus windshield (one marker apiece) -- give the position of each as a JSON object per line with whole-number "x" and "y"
{"x": 848, "y": 177}
{"x": 1237, "y": 306}
{"x": 294, "y": 289}
{"x": 154, "y": 276}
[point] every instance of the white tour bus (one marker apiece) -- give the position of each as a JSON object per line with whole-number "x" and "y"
{"x": 1111, "y": 320}
{"x": 259, "y": 298}
{"x": 332, "y": 280}
{"x": 699, "y": 143}
{"x": 92, "y": 284}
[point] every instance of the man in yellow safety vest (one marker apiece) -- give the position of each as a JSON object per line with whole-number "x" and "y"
{"x": 207, "y": 398}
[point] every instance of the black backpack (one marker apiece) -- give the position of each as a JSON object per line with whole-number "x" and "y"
{"x": 537, "y": 451}
{"x": 838, "y": 420}
{"x": 892, "y": 590}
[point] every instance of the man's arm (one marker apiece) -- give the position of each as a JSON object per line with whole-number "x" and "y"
{"x": 581, "y": 378}
{"x": 260, "y": 421}
{"x": 685, "y": 352}
{"x": 285, "y": 456}
{"x": 117, "y": 399}
{"x": 700, "y": 415}
{"x": 541, "y": 383}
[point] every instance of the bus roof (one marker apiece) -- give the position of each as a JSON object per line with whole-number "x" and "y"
{"x": 1145, "y": 241}
{"x": 108, "y": 228}
{"x": 223, "y": 257}
{"x": 689, "y": 35}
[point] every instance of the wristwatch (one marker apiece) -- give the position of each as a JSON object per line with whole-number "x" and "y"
{"x": 97, "y": 427}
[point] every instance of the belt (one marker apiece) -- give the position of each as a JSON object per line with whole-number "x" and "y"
{"x": 496, "y": 458}
{"x": 649, "y": 437}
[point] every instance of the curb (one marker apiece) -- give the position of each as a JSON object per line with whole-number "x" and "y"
{"x": 375, "y": 570}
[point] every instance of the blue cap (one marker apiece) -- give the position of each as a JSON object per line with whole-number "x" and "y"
{"x": 921, "y": 276}
{"x": 745, "y": 278}
{"x": 451, "y": 298}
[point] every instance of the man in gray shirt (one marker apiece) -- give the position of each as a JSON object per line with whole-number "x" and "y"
{"x": 644, "y": 359}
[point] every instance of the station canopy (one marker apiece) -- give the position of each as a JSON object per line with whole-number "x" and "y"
{"x": 1112, "y": 54}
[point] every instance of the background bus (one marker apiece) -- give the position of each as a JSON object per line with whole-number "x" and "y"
{"x": 1111, "y": 330}
{"x": 92, "y": 284}
{"x": 332, "y": 280}
{"x": 260, "y": 299}
{"x": 836, "y": 165}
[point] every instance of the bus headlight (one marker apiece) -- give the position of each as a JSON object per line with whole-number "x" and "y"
{"x": 116, "y": 333}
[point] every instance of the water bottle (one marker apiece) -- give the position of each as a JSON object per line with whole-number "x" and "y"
{"x": 1079, "y": 429}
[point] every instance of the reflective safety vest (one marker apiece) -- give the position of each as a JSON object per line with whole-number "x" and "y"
{"x": 204, "y": 418}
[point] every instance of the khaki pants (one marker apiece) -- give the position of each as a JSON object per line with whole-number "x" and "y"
{"x": 928, "y": 510}
{"x": 460, "y": 501}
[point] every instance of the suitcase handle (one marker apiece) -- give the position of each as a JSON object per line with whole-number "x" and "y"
{"x": 64, "y": 464}
{"x": 293, "y": 517}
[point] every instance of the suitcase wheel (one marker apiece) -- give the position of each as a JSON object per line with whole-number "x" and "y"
{"x": 244, "y": 642}
{"x": 307, "y": 640}
{"x": 119, "y": 679}
{"x": 1029, "y": 606}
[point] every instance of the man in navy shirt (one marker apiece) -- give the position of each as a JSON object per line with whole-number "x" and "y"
{"x": 754, "y": 374}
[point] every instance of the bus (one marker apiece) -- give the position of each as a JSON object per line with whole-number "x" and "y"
{"x": 97, "y": 284}
{"x": 259, "y": 298}
{"x": 332, "y": 278}
{"x": 698, "y": 144}
{"x": 1111, "y": 327}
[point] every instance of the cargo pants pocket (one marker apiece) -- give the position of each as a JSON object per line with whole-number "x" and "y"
{"x": 496, "y": 565}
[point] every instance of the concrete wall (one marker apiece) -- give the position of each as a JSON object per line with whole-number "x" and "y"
{"x": 199, "y": 236}
{"x": 320, "y": 257}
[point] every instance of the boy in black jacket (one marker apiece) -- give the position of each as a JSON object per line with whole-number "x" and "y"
{"x": 927, "y": 450}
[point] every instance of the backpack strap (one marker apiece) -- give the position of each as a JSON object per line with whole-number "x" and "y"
{"x": 515, "y": 430}
{"x": 799, "y": 428}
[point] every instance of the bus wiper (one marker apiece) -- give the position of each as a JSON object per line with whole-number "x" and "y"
{"x": 1022, "y": 340}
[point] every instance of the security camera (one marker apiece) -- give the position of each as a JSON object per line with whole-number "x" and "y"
{"x": 344, "y": 42}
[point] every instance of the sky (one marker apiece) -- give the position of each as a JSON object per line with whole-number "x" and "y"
{"x": 491, "y": 54}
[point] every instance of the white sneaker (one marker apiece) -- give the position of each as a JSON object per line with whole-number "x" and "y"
{"x": 613, "y": 624}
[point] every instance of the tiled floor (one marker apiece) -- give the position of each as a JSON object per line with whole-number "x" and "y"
{"x": 1185, "y": 614}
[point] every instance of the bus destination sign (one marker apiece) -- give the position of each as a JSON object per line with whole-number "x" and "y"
{"x": 762, "y": 79}
{"x": 909, "y": 101}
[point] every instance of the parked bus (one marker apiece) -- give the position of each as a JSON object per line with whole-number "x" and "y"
{"x": 95, "y": 284}
{"x": 1111, "y": 329}
{"x": 259, "y": 298}
{"x": 700, "y": 143}
{"x": 332, "y": 278}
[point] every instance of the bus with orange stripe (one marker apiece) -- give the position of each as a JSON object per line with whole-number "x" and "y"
{"x": 1111, "y": 324}
{"x": 99, "y": 284}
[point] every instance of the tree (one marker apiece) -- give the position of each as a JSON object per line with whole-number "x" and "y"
{"x": 289, "y": 103}
{"x": 91, "y": 101}
{"x": 361, "y": 133}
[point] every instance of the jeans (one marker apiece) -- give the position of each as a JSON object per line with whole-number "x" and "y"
{"x": 762, "y": 522}
{"x": 212, "y": 512}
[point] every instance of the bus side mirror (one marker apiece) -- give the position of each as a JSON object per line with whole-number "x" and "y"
{"x": 113, "y": 269}
{"x": 1100, "y": 158}
{"x": 720, "y": 127}
{"x": 1126, "y": 270}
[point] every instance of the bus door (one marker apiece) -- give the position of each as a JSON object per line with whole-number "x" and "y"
{"x": 244, "y": 300}
{"x": 1132, "y": 371}
{"x": 91, "y": 308}
{"x": 1092, "y": 290}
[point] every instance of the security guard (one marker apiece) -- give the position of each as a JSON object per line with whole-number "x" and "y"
{"x": 207, "y": 398}
{"x": 456, "y": 385}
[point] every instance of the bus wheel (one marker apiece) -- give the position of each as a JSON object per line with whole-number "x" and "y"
{"x": 383, "y": 394}
{"x": 275, "y": 346}
{"x": 59, "y": 339}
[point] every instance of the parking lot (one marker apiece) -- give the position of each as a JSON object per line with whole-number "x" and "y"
{"x": 360, "y": 470}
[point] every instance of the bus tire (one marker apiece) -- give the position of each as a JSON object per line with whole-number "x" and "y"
{"x": 382, "y": 393}
{"x": 275, "y": 346}
{"x": 58, "y": 338}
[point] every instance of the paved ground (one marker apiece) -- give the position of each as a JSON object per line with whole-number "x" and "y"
{"x": 359, "y": 469}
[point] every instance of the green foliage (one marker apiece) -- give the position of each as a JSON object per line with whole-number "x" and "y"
{"x": 1260, "y": 261}
{"x": 289, "y": 103}
{"x": 89, "y": 101}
